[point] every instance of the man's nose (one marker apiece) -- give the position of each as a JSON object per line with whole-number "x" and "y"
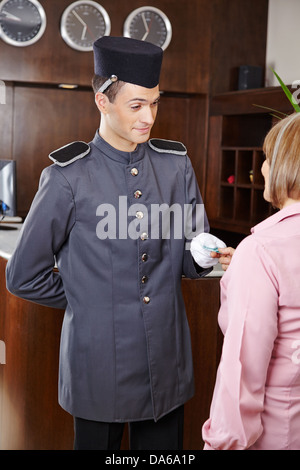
{"x": 148, "y": 115}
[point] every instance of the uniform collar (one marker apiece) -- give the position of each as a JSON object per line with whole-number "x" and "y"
{"x": 118, "y": 155}
{"x": 293, "y": 209}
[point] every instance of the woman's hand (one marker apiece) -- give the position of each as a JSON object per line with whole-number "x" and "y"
{"x": 224, "y": 255}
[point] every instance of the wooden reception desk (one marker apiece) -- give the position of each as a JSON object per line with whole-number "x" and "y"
{"x": 30, "y": 417}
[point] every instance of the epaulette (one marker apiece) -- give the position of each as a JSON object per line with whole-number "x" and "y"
{"x": 69, "y": 153}
{"x": 167, "y": 146}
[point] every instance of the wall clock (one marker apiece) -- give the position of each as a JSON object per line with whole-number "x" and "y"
{"x": 149, "y": 24}
{"x": 82, "y": 23}
{"x": 22, "y": 22}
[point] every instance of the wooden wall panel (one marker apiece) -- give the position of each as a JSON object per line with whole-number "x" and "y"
{"x": 211, "y": 39}
{"x": 186, "y": 60}
{"x": 212, "y": 202}
{"x": 184, "y": 118}
{"x": 51, "y": 60}
{"x": 46, "y": 119}
{"x": 6, "y": 122}
{"x": 239, "y": 37}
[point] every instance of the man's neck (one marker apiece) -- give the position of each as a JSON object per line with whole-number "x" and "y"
{"x": 119, "y": 144}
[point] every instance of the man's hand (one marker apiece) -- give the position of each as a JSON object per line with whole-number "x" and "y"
{"x": 202, "y": 248}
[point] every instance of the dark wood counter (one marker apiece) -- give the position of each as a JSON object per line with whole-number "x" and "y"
{"x": 30, "y": 417}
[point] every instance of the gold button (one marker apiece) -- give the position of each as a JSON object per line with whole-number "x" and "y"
{"x": 146, "y": 300}
{"x": 134, "y": 171}
{"x": 137, "y": 194}
{"x": 144, "y": 279}
{"x": 144, "y": 236}
{"x": 144, "y": 257}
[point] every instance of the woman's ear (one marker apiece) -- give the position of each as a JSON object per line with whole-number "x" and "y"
{"x": 102, "y": 102}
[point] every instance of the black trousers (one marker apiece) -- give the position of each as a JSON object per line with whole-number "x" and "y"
{"x": 164, "y": 434}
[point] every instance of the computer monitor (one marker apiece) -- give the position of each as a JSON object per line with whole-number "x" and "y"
{"x": 8, "y": 195}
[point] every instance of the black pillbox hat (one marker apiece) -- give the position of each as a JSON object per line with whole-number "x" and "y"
{"x": 131, "y": 60}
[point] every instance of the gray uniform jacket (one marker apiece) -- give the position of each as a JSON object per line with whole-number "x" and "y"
{"x": 125, "y": 350}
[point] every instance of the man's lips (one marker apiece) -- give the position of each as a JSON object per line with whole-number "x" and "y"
{"x": 142, "y": 130}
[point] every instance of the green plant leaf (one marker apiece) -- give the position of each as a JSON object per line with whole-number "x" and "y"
{"x": 287, "y": 92}
{"x": 273, "y": 111}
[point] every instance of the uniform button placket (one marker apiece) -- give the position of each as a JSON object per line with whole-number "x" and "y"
{"x": 134, "y": 171}
{"x": 139, "y": 215}
{"x": 144, "y": 236}
{"x": 137, "y": 194}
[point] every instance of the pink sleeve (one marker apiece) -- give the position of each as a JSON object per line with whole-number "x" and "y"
{"x": 249, "y": 298}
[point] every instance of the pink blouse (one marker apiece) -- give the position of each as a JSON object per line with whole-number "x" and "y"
{"x": 256, "y": 402}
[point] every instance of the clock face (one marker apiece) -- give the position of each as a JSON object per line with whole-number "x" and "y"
{"x": 149, "y": 24}
{"x": 22, "y": 22}
{"x": 82, "y": 23}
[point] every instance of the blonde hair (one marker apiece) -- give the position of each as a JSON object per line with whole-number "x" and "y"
{"x": 282, "y": 150}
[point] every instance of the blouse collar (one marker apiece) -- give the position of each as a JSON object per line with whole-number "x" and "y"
{"x": 288, "y": 211}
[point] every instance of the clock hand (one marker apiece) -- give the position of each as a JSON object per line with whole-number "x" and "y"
{"x": 145, "y": 23}
{"x": 147, "y": 32}
{"x": 145, "y": 35}
{"x": 86, "y": 28}
{"x": 78, "y": 17}
{"x": 9, "y": 16}
{"x": 83, "y": 33}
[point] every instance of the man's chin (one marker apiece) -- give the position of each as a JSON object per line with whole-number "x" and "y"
{"x": 142, "y": 138}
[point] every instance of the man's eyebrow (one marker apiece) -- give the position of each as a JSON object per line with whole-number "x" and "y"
{"x": 142, "y": 100}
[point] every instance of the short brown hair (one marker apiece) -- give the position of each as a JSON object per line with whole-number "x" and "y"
{"x": 282, "y": 150}
{"x": 111, "y": 91}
